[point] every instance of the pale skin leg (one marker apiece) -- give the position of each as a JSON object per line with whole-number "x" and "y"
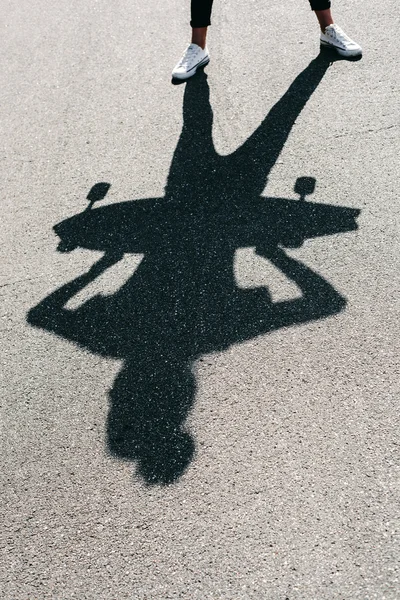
{"x": 199, "y": 34}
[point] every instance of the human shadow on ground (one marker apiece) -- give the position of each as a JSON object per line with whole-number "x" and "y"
{"x": 183, "y": 301}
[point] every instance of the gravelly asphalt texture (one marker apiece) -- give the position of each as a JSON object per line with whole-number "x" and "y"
{"x": 199, "y": 386}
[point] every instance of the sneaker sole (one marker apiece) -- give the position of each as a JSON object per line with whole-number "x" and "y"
{"x": 340, "y": 51}
{"x": 192, "y": 71}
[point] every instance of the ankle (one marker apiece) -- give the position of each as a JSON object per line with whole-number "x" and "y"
{"x": 199, "y": 36}
{"x": 323, "y": 27}
{"x": 198, "y": 43}
{"x": 324, "y": 18}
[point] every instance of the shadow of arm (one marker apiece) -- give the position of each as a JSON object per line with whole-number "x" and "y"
{"x": 256, "y": 315}
{"x": 50, "y": 314}
{"x": 319, "y": 298}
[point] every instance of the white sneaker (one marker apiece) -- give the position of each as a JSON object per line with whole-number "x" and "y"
{"x": 193, "y": 58}
{"x": 334, "y": 37}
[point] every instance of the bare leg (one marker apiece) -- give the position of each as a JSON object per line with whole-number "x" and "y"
{"x": 324, "y": 18}
{"x": 199, "y": 35}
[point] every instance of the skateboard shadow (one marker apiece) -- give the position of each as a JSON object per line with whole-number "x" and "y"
{"x": 183, "y": 300}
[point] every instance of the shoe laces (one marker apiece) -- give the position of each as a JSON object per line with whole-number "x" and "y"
{"x": 336, "y": 32}
{"x": 188, "y": 55}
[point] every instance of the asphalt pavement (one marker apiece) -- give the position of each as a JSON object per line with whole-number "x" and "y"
{"x": 199, "y": 304}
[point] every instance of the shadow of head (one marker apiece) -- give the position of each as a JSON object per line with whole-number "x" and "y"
{"x": 149, "y": 404}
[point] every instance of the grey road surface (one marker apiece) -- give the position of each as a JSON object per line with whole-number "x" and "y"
{"x": 200, "y": 367}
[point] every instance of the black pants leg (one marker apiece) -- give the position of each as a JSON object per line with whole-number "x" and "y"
{"x": 201, "y": 11}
